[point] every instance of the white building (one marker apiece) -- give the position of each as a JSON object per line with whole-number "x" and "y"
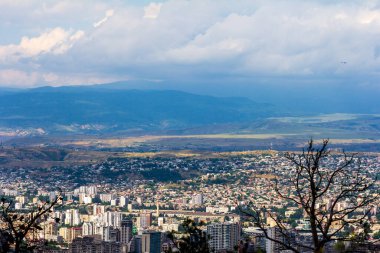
{"x": 111, "y": 219}
{"x": 106, "y": 197}
{"x": 88, "y": 228}
{"x": 123, "y": 201}
{"x": 223, "y": 236}
{"x": 197, "y": 199}
{"x": 72, "y": 217}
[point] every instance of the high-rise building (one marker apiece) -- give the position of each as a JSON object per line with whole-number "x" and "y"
{"x": 111, "y": 234}
{"x": 82, "y": 189}
{"x": 275, "y": 233}
{"x": 145, "y": 219}
{"x": 223, "y": 236}
{"x": 76, "y": 232}
{"x": 123, "y": 201}
{"x": 68, "y": 218}
{"x": 65, "y": 233}
{"x": 72, "y": 217}
{"x": 88, "y": 228}
{"x": 197, "y": 199}
{"x": 92, "y": 190}
{"x": 98, "y": 209}
{"x": 50, "y": 230}
{"x": 111, "y": 219}
{"x": 148, "y": 242}
{"x": 106, "y": 197}
{"x": 69, "y": 234}
{"x": 126, "y": 230}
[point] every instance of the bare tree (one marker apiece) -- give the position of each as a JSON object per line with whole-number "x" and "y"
{"x": 17, "y": 228}
{"x": 335, "y": 199}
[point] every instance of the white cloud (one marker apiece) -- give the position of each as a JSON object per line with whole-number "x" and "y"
{"x": 152, "y": 11}
{"x": 274, "y": 40}
{"x": 17, "y": 78}
{"x": 54, "y": 79}
{"x": 246, "y": 38}
{"x": 55, "y": 41}
{"x": 22, "y": 79}
{"x": 109, "y": 13}
{"x": 368, "y": 17}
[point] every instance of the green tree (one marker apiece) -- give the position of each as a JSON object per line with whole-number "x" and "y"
{"x": 376, "y": 235}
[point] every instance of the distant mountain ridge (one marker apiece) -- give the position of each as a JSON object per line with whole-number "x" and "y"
{"x": 99, "y": 109}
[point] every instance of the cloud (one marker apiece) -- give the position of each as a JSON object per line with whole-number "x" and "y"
{"x": 23, "y": 78}
{"x": 54, "y": 79}
{"x": 152, "y": 10}
{"x": 287, "y": 40}
{"x": 56, "y": 41}
{"x": 176, "y": 39}
{"x": 17, "y": 78}
{"x": 109, "y": 13}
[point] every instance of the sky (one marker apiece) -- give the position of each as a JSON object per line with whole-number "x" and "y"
{"x": 225, "y": 41}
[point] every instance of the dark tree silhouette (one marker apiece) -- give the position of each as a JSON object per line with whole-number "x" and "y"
{"x": 309, "y": 183}
{"x": 17, "y": 227}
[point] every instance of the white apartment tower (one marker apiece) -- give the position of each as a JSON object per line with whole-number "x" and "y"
{"x": 223, "y": 236}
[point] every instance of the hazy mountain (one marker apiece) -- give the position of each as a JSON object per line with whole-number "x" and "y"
{"x": 295, "y": 96}
{"x": 95, "y": 108}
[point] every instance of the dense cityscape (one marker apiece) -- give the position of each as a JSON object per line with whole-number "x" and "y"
{"x": 118, "y": 213}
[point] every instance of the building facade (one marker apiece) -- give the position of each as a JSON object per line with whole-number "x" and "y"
{"x": 223, "y": 236}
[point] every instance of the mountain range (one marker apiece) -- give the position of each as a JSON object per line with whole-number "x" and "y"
{"x": 106, "y": 109}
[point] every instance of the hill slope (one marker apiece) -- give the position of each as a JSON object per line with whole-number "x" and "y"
{"x": 89, "y": 109}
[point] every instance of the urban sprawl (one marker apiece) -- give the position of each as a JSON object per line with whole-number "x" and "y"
{"x": 132, "y": 204}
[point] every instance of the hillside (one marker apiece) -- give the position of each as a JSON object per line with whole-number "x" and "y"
{"x": 90, "y": 109}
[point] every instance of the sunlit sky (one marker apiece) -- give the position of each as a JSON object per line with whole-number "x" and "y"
{"x": 84, "y": 42}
